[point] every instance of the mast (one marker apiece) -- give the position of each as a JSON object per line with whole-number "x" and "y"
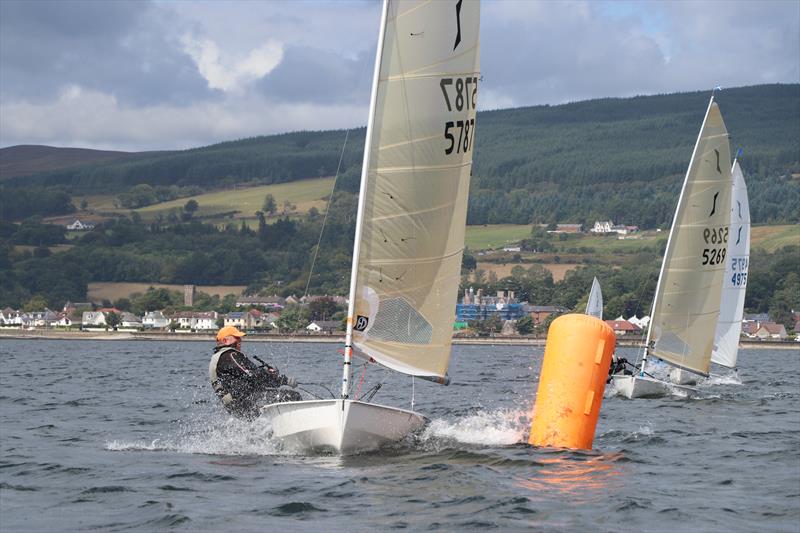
{"x": 669, "y": 241}
{"x": 348, "y": 342}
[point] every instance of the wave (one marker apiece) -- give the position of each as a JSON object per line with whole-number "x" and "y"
{"x": 727, "y": 379}
{"x": 487, "y": 428}
{"x": 211, "y": 436}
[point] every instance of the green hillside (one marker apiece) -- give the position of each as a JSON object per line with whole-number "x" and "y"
{"x": 621, "y": 159}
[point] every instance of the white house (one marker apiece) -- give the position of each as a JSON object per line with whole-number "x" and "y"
{"x": 241, "y": 320}
{"x": 80, "y": 226}
{"x": 10, "y": 317}
{"x": 602, "y": 227}
{"x": 205, "y": 321}
{"x": 324, "y": 326}
{"x": 155, "y": 320}
{"x": 93, "y": 319}
{"x": 129, "y": 321}
{"x": 188, "y": 319}
{"x": 641, "y": 323}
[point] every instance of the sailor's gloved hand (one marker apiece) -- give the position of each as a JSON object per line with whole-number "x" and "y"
{"x": 290, "y": 381}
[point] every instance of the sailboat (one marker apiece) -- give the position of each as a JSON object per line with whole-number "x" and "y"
{"x": 686, "y": 305}
{"x": 594, "y": 307}
{"x": 729, "y": 326}
{"x": 410, "y": 225}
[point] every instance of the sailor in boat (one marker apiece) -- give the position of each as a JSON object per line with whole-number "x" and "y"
{"x": 619, "y": 367}
{"x": 242, "y": 385}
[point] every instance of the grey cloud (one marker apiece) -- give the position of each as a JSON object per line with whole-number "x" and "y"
{"x": 121, "y": 48}
{"x": 318, "y": 76}
{"x": 563, "y": 51}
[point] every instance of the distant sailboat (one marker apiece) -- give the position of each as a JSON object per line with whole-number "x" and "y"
{"x": 687, "y": 299}
{"x": 729, "y": 326}
{"x": 411, "y": 222}
{"x": 594, "y": 307}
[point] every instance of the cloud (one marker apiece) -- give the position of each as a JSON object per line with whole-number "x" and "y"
{"x": 157, "y": 74}
{"x": 556, "y": 52}
{"x": 229, "y": 74}
{"x": 308, "y": 74}
{"x": 92, "y": 119}
{"x": 121, "y": 48}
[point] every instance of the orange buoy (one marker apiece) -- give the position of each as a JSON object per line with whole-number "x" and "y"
{"x": 577, "y": 356}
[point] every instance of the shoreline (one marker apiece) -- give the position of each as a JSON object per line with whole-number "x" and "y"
{"x": 42, "y": 334}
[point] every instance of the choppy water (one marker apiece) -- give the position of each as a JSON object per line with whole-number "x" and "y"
{"x": 127, "y": 435}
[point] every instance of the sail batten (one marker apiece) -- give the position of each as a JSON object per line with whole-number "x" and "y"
{"x": 687, "y": 301}
{"x": 415, "y": 185}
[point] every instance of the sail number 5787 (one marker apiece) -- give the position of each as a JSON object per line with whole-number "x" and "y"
{"x": 460, "y": 94}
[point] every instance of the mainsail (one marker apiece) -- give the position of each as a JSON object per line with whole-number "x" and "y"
{"x": 729, "y": 327}
{"x": 594, "y": 306}
{"x": 687, "y": 300}
{"x": 414, "y": 186}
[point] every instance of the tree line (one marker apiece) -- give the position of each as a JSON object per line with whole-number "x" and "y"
{"x": 616, "y": 158}
{"x": 277, "y": 258}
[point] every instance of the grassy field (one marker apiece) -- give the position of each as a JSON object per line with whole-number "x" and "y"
{"x": 113, "y": 291}
{"x": 495, "y": 236}
{"x": 304, "y": 194}
{"x": 559, "y": 270}
{"x": 771, "y": 238}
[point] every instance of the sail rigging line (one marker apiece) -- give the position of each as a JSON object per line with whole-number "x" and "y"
{"x": 333, "y": 189}
{"x": 361, "y": 381}
{"x": 635, "y": 311}
{"x": 325, "y": 218}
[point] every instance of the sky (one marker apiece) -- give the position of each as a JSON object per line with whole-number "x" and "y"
{"x": 159, "y": 75}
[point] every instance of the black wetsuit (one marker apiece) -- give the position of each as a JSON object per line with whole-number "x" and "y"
{"x": 618, "y": 366}
{"x": 244, "y": 387}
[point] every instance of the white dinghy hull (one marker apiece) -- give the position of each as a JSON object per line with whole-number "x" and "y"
{"x": 339, "y": 426}
{"x": 640, "y": 387}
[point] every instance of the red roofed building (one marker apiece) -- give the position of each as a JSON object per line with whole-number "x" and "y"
{"x": 771, "y": 330}
{"x": 623, "y": 327}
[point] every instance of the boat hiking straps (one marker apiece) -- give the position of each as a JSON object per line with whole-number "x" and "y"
{"x": 315, "y": 395}
{"x": 318, "y": 385}
{"x": 371, "y": 392}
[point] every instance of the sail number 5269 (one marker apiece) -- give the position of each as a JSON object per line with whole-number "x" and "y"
{"x": 713, "y": 256}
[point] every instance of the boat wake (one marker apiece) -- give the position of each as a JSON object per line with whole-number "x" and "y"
{"x": 727, "y": 379}
{"x": 221, "y": 436}
{"x": 487, "y": 428}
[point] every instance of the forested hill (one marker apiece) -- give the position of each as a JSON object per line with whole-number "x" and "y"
{"x": 25, "y": 159}
{"x": 625, "y": 159}
{"x": 621, "y": 159}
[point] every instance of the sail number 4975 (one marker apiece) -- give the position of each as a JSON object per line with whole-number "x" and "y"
{"x": 459, "y": 94}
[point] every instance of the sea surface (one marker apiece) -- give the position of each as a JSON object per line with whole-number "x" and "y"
{"x": 128, "y": 436}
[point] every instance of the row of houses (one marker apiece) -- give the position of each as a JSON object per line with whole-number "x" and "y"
{"x": 202, "y": 321}
{"x": 760, "y": 328}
